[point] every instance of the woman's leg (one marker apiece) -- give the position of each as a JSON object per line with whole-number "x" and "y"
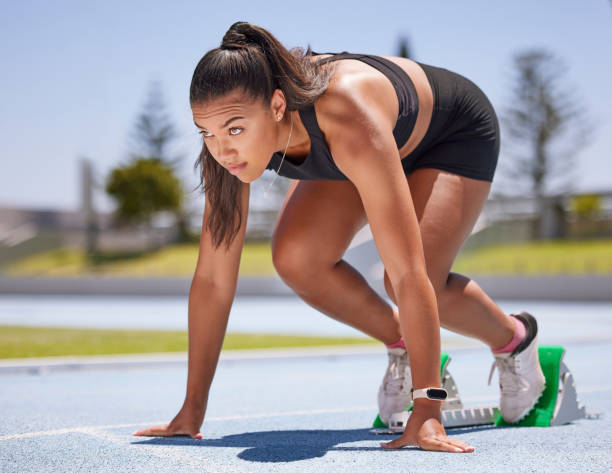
{"x": 318, "y": 221}
{"x": 316, "y": 224}
{"x": 447, "y": 206}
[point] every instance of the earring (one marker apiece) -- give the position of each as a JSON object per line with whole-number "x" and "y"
{"x": 278, "y": 117}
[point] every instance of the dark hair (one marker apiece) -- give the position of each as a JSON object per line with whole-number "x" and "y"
{"x": 249, "y": 59}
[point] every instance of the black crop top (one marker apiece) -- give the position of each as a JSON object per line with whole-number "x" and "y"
{"x": 319, "y": 164}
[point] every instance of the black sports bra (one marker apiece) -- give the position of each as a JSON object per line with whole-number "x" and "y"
{"x": 319, "y": 164}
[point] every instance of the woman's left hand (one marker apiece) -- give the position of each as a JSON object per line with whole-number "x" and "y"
{"x": 425, "y": 430}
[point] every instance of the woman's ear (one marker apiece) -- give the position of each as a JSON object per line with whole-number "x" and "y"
{"x": 278, "y": 104}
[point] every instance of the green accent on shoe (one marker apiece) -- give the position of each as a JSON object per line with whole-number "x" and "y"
{"x": 542, "y": 413}
{"x": 444, "y": 360}
{"x": 379, "y": 423}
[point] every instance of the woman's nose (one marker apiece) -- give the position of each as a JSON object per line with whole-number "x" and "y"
{"x": 223, "y": 151}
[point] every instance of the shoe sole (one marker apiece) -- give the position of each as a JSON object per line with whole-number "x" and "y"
{"x": 529, "y": 409}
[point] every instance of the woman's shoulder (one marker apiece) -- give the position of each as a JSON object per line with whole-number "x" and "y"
{"x": 352, "y": 93}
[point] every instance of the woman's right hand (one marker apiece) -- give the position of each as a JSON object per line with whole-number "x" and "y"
{"x": 425, "y": 430}
{"x": 187, "y": 422}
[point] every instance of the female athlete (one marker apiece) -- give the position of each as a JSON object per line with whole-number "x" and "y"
{"x": 407, "y": 147}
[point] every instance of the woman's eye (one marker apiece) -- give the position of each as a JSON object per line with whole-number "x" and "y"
{"x": 207, "y": 135}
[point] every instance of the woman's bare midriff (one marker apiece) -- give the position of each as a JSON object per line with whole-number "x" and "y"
{"x": 421, "y": 84}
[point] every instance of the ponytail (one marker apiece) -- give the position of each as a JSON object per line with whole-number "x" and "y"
{"x": 253, "y": 61}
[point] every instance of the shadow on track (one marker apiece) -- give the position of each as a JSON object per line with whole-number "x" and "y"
{"x": 274, "y": 446}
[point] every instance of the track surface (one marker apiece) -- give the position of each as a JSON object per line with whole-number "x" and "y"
{"x": 310, "y": 413}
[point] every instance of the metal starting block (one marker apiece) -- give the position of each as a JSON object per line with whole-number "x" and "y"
{"x": 557, "y": 405}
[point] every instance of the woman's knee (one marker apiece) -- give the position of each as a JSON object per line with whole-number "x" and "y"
{"x": 455, "y": 287}
{"x": 293, "y": 263}
{"x": 284, "y": 259}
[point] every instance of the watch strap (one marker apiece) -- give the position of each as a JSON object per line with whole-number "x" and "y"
{"x": 422, "y": 393}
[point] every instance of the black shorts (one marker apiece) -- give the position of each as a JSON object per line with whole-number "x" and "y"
{"x": 463, "y": 136}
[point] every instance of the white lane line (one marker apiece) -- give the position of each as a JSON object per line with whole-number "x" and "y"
{"x": 43, "y": 432}
{"x": 591, "y": 389}
{"x": 208, "y": 419}
{"x": 165, "y": 452}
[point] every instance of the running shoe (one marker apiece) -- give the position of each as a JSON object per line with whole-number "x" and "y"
{"x": 521, "y": 379}
{"x": 394, "y": 391}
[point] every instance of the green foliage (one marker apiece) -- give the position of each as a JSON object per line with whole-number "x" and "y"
{"x": 176, "y": 260}
{"x": 25, "y": 342}
{"x": 552, "y": 257}
{"x": 586, "y": 206}
{"x": 143, "y": 187}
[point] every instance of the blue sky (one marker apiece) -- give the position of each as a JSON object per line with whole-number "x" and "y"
{"x": 76, "y": 74}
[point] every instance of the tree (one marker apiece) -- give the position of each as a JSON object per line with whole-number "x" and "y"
{"x": 404, "y": 49}
{"x": 142, "y": 188}
{"x": 153, "y": 136}
{"x": 154, "y": 132}
{"x": 540, "y": 113}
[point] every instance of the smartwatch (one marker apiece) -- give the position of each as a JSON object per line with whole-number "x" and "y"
{"x": 435, "y": 394}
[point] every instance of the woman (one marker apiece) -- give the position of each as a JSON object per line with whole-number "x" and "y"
{"x": 408, "y": 148}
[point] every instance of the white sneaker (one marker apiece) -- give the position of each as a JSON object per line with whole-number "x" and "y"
{"x": 394, "y": 391}
{"x": 521, "y": 379}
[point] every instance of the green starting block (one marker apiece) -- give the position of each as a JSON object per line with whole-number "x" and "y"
{"x": 557, "y": 405}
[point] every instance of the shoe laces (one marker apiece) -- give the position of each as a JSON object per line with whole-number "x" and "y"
{"x": 396, "y": 372}
{"x": 509, "y": 378}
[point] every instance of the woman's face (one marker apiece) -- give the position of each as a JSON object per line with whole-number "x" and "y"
{"x": 240, "y": 132}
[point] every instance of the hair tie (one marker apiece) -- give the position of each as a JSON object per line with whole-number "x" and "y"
{"x": 232, "y": 45}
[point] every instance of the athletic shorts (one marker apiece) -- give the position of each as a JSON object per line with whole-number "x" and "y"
{"x": 463, "y": 136}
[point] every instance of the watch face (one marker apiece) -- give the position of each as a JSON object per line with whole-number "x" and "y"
{"x": 434, "y": 393}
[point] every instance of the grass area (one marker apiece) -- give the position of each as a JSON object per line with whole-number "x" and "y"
{"x": 26, "y": 342}
{"x": 170, "y": 261}
{"x": 550, "y": 257}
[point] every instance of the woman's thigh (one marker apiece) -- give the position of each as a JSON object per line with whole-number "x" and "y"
{"x": 319, "y": 219}
{"x": 316, "y": 224}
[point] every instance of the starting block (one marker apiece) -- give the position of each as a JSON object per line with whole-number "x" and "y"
{"x": 557, "y": 405}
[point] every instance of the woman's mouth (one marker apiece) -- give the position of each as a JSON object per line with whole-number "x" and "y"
{"x": 237, "y": 169}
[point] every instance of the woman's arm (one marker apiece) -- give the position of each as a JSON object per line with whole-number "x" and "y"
{"x": 360, "y": 137}
{"x": 211, "y": 295}
{"x": 361, "y": 141}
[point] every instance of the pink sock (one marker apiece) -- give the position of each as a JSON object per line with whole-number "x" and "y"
{"x": 520, "y": 331}
{"x": 398, "y": 344}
